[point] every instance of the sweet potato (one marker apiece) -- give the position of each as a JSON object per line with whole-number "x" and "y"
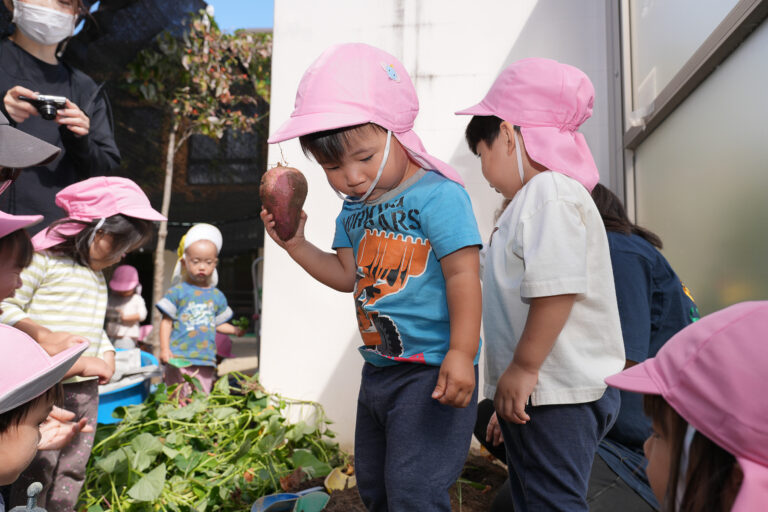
{"x": 283, "y": 190}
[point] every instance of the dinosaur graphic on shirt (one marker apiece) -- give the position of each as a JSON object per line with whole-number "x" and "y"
{"x": 385, "y": 262}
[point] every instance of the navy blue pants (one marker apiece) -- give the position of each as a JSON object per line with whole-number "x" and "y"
{"x": 550, "y": 457}
{"x": 409, "y": 448}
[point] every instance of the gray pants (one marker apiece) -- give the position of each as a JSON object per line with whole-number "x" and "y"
{"x": 62, "y": 472}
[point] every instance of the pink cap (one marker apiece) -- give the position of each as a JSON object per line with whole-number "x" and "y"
{"x": 713, "y": 373}
{"x": 548, "y": 101}
{"x": 96, "y": 198}
{"x": 223, "y": 345}
{"x": 26, "y": 369}
{"x": 10, "y": 223}
{"x": 354, "y": 83}
{"x": 125, "y": 278}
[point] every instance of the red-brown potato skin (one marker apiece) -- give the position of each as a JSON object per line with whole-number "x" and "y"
{"x": 283, "y": 191}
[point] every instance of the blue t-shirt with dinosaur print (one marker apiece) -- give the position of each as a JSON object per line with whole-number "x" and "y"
{"x": 398, "y": 241}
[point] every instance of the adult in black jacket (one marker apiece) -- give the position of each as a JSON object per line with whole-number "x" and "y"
{"x": 83, "y": 129}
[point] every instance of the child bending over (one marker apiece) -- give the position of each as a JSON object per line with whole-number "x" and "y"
{"x": 406, "y": 246}
{"x": 550, "y": 317}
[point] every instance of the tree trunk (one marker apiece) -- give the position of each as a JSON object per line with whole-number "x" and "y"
{"x": 162, "y": 234}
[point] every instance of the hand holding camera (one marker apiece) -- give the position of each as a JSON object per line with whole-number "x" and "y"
{"x": 47, "y": 106}
{"x": 21, "y": 103}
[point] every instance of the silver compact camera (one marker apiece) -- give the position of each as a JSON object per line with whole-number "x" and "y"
{"x": 47, "y": 106}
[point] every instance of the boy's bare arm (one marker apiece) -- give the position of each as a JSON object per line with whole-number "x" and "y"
{"x": 164, "y": 336}
{"x": 109, "y": 358}
{"x": 52, "y": 341}
{"x": 456, "y": 381}
{"x": 227, "y": 328}
{"x": 90, "y": 366}
{"x": 335, "y": 269}
{"x": 546, "y": 318}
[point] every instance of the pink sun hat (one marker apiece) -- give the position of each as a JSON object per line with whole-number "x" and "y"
{"x": 10, "y": 223}
{"x": 548, "y": 100}
{"x": 26, "y": 369}
{"x": 713, "y": 373}
{"x": 355, "y": 83}
{"x": 96, "y": 198}
{"x": 125, "y": 278}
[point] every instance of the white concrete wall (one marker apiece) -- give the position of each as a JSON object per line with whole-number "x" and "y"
{"x": 453, "y": 50}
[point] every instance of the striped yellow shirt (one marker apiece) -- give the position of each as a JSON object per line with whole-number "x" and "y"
{"x": 62, "y": 295}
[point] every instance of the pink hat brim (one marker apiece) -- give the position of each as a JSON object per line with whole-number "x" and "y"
{"x": 144, "y": 213}
{"x": 123, "y": 286}
{"x": 319, "y": 122}
{"x": 636, "y": 379}
{"x": 10, "y": 223}
{"x": 37, "y": 383}
{"x": 305, "y": 124}
{"x": 48, "y": 238}
{"x": 476, "y": 110}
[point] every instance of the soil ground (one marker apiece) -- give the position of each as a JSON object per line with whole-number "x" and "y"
{"x": 475, "y": 491}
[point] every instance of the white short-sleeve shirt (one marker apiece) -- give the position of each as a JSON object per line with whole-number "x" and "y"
{"x": 550, "y": 240}
{"x": 120, "y": 305}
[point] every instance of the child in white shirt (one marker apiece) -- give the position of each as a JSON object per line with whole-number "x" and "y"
{"x": 126, "y": 308}
{"x": 550, "y": 317}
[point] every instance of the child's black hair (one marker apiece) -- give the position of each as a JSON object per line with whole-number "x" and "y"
{"x": 483, "y": 128}
{"x": 15, "y": 416}
{"x": 128, "y": 233}
{"x": 17, "y": 246}
{"x": 329, "y": 146}
{"x": 615, "y": 216}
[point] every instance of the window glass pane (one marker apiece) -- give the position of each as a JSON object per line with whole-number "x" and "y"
{"x": 664, "y": 35}
{"x": 702, "y": 185}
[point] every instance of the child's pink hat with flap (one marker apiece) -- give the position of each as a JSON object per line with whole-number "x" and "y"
{"x": 355, "y": 83}
{"x": 10, "y": 223}
{"x": 713, "y": 373}
{"x": 548, "y": 100}
{"x": 96, "y": 198}
{"x": 26, "y": 369}
{"x": 124, "y": 278}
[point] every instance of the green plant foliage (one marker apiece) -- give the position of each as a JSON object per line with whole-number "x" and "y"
{"x": 219, "y": 452}
{"x": 242, "y": 323}
{"x": 205, "y": 78}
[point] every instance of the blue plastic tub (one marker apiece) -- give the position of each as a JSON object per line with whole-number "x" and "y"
{"x": 131, "y": 395}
